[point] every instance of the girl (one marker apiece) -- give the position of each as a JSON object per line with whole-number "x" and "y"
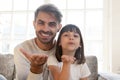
{"x": 68, "y": 63}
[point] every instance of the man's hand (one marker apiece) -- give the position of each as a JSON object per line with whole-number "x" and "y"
{"x": 36, "y": 61}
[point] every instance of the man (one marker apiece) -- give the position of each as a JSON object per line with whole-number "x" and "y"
{"x": 31, "y": 55}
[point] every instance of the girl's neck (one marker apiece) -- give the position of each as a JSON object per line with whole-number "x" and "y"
{"x": 69, "y": 53}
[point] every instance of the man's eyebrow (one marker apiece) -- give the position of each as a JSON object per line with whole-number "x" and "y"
{"x": 53, "y": 22}
{"x": 40, "y": 20}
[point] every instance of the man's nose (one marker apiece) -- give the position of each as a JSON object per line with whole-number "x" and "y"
{"x": 46, "y": 27}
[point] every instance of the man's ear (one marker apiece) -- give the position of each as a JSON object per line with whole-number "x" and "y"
{"x": 59, "y": 27}
{"x": 34, "y": 24}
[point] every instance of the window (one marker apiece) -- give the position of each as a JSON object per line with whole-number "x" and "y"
{"x": 16, "y": 17}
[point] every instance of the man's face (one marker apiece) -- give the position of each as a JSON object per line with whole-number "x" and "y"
{"x": 46, "y": 27}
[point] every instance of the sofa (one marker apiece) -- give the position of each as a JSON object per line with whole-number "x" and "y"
{"x": 7, "y": 68}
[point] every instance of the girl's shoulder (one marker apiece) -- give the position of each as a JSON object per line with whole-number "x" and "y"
{"x": 79, "y": 65}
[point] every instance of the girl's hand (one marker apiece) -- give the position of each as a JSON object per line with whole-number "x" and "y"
{"x": 68, "y": 59}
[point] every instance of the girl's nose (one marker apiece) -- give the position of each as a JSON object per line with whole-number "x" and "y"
{"x": 71, "y": 37}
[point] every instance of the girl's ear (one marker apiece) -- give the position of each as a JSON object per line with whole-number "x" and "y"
{"x": 80, "y": 46}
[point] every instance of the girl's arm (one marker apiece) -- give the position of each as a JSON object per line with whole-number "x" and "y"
{"x": 58, "y": 74}
{"x": 63, "y": 74}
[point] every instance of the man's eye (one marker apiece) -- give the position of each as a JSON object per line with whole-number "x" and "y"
{"x": 41, "y": 23}
{"x": 52, "y": 24}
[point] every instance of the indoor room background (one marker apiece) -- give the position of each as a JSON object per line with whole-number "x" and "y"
{"x": 99, "y": 21}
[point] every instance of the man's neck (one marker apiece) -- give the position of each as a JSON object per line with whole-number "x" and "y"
{"x": 45, "y": 47}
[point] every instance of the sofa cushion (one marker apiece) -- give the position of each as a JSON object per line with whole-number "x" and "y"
{"x": 101, "y": 77}
{"x": 110, "y": 76}
{"x": 7, "y": 65}
{"x": 2, "y": 77}
{"x": 93, "y": 66}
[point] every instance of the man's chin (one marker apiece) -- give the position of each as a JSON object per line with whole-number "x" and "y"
{"x": 46, "y": 41}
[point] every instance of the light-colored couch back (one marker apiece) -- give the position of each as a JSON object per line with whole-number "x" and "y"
{"x": 7, "y": 67}
{"x": 93, "y": 66}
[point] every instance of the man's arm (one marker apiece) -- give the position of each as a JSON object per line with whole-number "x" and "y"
{"x": 27, "y": 66}
{"x": 36, "y": 61}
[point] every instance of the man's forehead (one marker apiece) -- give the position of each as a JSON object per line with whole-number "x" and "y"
{"x": 41, "y": 20}
{"x": 45, "y": 15}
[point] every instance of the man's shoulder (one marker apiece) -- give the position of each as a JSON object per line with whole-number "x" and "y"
{"x": 25, "y": 43}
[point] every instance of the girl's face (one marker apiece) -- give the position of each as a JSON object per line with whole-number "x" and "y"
{"x": 70, "y": 41}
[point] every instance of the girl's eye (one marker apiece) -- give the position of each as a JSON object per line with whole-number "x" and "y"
{"x": 65, "y": 35}
{"x": 76, "y": 35}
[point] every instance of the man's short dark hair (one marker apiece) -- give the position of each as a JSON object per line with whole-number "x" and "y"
{"x": 51, "y": 9}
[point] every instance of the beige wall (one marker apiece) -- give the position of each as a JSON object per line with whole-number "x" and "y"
{"x": 115, "y": 36}
{"x": 112, "y": 36}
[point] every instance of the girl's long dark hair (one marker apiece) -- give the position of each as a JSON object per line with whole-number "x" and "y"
{"x": 79, "y": 54}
